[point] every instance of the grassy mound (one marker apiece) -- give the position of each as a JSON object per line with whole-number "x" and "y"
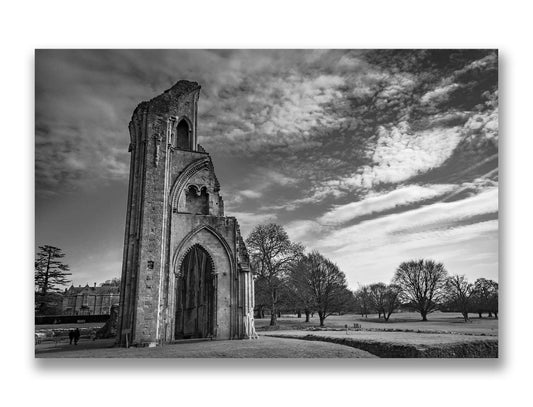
{"x": 384, "y": 349}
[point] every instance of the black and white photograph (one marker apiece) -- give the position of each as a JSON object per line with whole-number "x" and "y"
{"x": 275, "y": 203}
{"x": 266, "y": 204}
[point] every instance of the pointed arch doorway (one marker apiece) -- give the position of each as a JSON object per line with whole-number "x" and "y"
{"x": 195, "y": 295}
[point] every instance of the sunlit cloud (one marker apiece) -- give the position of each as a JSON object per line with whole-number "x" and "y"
{"x": 374, "y": 203}
{"x": 367, "y": 155}
{"x": 434, "y": 217}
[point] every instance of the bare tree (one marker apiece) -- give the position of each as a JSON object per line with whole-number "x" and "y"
{"x": 299, "y": 287}
{"x": 320, "y": 285}
{"x": 363, "y": 300}
{"x": 377, "y": 296}
{"x": 385, "y": 298}
{"x": 422, "y": 284}
{"x": 328, "y": 285}
{"x": 460, "y": 294}
{"x": 49, "y": 271}
{"x": 262, "y": 297}
{"x": 271, "y": 254}
{"x": 391, "y": 300}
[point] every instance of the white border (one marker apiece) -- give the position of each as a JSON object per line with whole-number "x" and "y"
{"x": 272, "y": 24}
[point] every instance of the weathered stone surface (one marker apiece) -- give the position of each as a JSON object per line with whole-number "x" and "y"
{"x": 173, "y": 205}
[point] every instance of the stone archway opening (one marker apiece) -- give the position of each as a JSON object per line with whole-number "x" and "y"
{"x": 195, "y": 295}
{"x": 182, "y": 135}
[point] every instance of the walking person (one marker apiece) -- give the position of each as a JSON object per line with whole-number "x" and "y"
{"x": 76, "y": 336}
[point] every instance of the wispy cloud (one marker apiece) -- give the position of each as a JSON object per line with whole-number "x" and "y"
{"x": 374, "y": 203}
{"x": 453, "y": 247}
{"x": 434, "y": 217}
{"x": 364, "y": 154}
{"x": 438, "y": 229}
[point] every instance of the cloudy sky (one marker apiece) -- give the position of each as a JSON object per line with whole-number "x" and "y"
{"x": 371, "y": 157}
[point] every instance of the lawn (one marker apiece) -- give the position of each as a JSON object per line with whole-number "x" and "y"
{"x": 264, "y": 347}
{"x": 404, "y": 335}
{"x": 401, "y": 338}
{"x": 404, "y": 344}
{"x": 405, "y": 321}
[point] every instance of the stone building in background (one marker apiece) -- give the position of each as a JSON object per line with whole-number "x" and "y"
{"x": 91, "y": 300}
{"x": 185, "y": 268}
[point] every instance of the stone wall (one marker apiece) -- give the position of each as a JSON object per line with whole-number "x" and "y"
{"x": 161, "y": 224}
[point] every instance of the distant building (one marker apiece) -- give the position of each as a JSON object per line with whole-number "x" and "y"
{"x": 91, "y": 300}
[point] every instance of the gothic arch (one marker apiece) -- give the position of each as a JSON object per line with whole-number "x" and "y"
{"x": 177, "y": 270}
{"x": 195, "y": 297}
{"x": 184, "y": 177}
{"x": 183, "y": 134}
{"x": 223, "y": 268}
{"x": 178, "y": 258}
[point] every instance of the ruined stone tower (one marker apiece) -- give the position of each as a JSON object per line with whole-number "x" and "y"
{"x": 185, "y": 270}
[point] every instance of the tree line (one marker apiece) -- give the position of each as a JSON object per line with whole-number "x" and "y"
{"x": 425, "y": 286}
{"x": 288, "y": 280}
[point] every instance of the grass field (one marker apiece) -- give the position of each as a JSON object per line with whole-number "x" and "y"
{"x": 404, "y": 344}
{"x": 264, "y": 347}
{"x": 405, "y": 321}
{"x": 404, "y": 335}
{"x": 402, "y": 338}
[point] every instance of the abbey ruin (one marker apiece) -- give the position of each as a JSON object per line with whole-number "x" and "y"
{"x": 185, "y": 270}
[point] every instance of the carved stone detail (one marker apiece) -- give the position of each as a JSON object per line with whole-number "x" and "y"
{"x": 157, "y": 142}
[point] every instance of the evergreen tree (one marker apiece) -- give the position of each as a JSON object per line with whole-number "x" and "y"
{"x": 50, "y": 272}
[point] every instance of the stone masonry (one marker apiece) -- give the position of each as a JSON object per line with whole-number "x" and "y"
{"x": 174, "y": 205}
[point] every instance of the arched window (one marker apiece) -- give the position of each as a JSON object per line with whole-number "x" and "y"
{"x": 182, "y": 135}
